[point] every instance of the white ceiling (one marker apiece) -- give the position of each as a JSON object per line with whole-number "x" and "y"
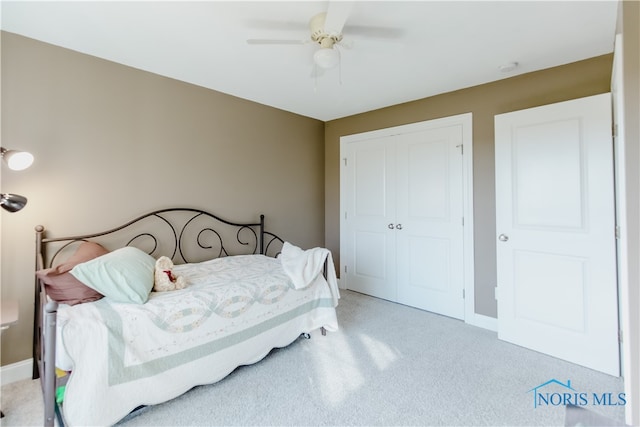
{"x": 436, "y": 47}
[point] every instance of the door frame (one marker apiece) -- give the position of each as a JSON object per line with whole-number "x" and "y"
{"x": 627, "y": 368}
{"x": 466, "y": 121}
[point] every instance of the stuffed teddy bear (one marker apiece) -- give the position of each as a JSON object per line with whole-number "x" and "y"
{"x": 164, "y": 278}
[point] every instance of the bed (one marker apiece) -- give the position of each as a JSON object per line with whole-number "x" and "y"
{"x": 106, "y": 343}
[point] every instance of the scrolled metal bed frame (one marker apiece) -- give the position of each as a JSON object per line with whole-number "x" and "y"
{"x": 213, "y": 236}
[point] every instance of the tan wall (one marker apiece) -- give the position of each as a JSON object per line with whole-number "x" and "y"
{"x": 112, "y": 142}
{"x": 570, "y": 81}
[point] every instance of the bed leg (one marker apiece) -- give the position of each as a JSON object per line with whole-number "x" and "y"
{"x": 48, "y": 377}
{"x": 323, "y": 330}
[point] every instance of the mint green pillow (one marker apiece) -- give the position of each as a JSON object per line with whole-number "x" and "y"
{"x": 124, "y": 275}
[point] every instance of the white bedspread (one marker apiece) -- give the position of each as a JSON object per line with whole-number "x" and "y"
{"x": 233, "y": 312}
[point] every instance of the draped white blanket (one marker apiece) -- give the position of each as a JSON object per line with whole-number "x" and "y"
{"x": 304, "y": 266}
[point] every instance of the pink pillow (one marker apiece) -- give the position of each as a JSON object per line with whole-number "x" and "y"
{"x": 62, "y": 286}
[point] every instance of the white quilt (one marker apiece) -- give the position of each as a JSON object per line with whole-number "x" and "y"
{"x": 233, "y": 312}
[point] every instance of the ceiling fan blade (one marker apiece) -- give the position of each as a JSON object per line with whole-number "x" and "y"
{"x": 337, "y": 15}
{"x": 375, "y": 32}
{"x": 345, "y": 44}
{"x": 277, "y": 25}
{"x": 276, "y": 41}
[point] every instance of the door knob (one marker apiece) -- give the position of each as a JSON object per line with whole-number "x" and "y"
{"x": 503, "y": 237}
{"x": 399, "y": 227}
{"x": 390, "y": 226}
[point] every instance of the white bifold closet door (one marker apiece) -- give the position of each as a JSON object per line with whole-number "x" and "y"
{"x": 404, "y": 209}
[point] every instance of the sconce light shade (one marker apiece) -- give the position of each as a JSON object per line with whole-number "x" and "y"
{"x": 17, "y": 160}
{"x": 326, "y": 57}
{"x": 12, "y": 202}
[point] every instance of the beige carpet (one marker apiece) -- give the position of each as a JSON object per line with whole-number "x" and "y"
{"x": 388, "y": 365}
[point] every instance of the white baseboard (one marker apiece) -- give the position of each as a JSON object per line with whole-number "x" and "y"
{"x": 16, "y": 372}
{"x": 482, "y": 321}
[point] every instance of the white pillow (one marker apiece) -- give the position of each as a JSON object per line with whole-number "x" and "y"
{"x": 124, "y": 275}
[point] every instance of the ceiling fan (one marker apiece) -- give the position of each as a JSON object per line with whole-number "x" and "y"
{"x": 326, "y": 31}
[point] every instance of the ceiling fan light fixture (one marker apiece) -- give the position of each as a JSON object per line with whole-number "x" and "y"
{"x": 326, "y": 57}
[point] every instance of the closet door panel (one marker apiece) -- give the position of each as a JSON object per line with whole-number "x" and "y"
{"x": 370, "y": 218}
{"x": 429, "y": 211}
{"x": 425, "y": 184}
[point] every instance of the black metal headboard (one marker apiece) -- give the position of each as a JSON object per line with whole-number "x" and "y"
{"x": 182, "y": 234}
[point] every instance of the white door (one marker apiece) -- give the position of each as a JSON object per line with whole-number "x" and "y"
{"x": 403, "y": 218}
{"x": 555, "y": 224}
{"x": 429, "y": 211}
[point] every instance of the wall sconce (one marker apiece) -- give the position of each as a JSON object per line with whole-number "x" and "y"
{"x": 16, "y": 160}
{"x": 12, "y": 202}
